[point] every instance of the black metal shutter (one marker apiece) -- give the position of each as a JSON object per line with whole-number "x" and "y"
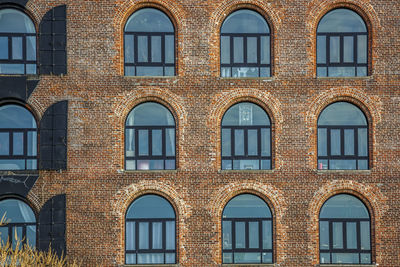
{"x": 52, "y": 225}
{"x": 53, "y": 137}
{"x": 53, "y": 41}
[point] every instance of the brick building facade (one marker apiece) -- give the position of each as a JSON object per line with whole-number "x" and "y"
{"x": 87, "y": 97}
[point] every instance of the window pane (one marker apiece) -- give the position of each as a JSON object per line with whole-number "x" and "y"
{"x": 322, "y": 142}
{"x": 16, "y": 47}
{"x": 349, "y": 142}
{"x": 239, "y": 142}
{"x": 252, "y": 142}
{"x": 265, "y": 164}
{"x": 351, "y": 235}
{"x": 265, "y": 50}
{"x": 334, "y": 49}
{"x": 227, "y": 164}
{"x": 170, "y": 164}
{"x": 337, "y": 235}
{"x": 169, "y": 49}
{"x": 30, "y": 68}
{"x": 149, "y": 71}
{"x": 361, "y": 71}
{"x": 245, "y": 72}
{"x": 267, "y": 257}
{"x": 143, "y": 142}
{"x": 129, "y": 71}
{"x": 362, "y": 142}
{"x": 348, "y": 49}
{"x": 227, "y": 258}
{"x": 251, "y": 49}
{"x": 238, "y": 50}
{"x": 246, "y": 206}
{"x": 323, "y": 235}
{"x": 365, "y": 235}
{"x": 12, "y": 68}
{"x": 267, "y": 234}
{"x": 170, "y": 142}
{"x": 169, "y": 71}
{"x": 361, "y": 49}
{"x": 156, "y": 142}
{"x": 365, "y": 257}
{"x": 362, "y": 164}
{"x": 341, "y": 71}
{"x": 142, "y": 48}
{"x": 226, "y": 142}
{"x": 31, "y": 164}
{"x": 246, "y": 164}
{"x": 335, "y": 142}
{"x": 170, "y": 235}
{"x": 265, "y": 142}
{"x": 226, "y": 72}
{"x": 31, "y": 48}
{"x": 322, "y": 164}
{"x": 32, "y": 143}
{"x": 227, "y": 235}
{"x": 321, "y": 49}
{"x": 130, "y": 165}
{"x": 169, "y": 257}
{"x": 265, "y": 72}
{"x": 130, "y": 235}
{"x": 247, "y": 257}
{"x": 325, "y": 258}
{"x": 150, "y": 258}
{"x": 3, "y": 47}
{"x": 129, "y": 48}
{"x": 254, "y": 235}
{"x": 12, "y": 164}
{"x": 345, "y": 258}
{"x": 322, "y": 72}
{"x": 18, "y": 143}
{"x": 130, "y": 142}
{"x": 342, "y": 164}
{"x": 225, "y": 50}
{"x": 130, "y": 258}
{"x": 3, "y": 234}
{"x": 155, "y": 48}
{"x": 157, "y": 235}
{"x": 240, "y": 235}
{"x": 143, "y": 235}
{"x": 4, "y": 144}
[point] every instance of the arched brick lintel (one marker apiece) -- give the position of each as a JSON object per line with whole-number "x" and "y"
{"x": 124, "y": 197}
{"x": 371, "y": 196}
{"x": 271, "y": 195}
{"x": 371, "y": 106}
{"x": 223, "y": 101}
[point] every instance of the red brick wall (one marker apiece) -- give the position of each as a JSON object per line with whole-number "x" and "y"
{"x": 100, "y": 97}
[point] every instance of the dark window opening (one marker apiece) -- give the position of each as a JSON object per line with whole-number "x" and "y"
{"x": 149, "y": 44}
{"x": 17, "y": 43}
{"x": 342, "y": 45}
{"x": 245, "y": 45}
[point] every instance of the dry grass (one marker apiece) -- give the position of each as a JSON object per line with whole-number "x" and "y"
{"x": 24, "y": 256}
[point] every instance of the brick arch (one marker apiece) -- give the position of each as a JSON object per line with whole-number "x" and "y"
{"x": 371, "y": 196}
{"x": 371, "y": 106}
{"x": 317, "y": 9}
{"x": 271, "y": 195}
{"x": 171, "y": 8}
{"x": 223, "y": 101}
{"x": 126, "y": 103}
{"x": 124, "y": 197}
{"x": 271, "y": 12}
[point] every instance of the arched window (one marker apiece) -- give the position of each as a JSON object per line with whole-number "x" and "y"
{"x": 344, "y": 231}
{"x": 150, "y": 138}
{"x": 20, "y": 223}
{"x": 246, "y": 138}
{"x": 245, "y": 45}
{"x": 342, "y": 138}
{"x": 342, "y": 44}
{"x": 17, "y": 43}
{"x": 18, "y": 138}
{"x": 149, "y": 44}
{"x": 247, "y": 231}
{"x": 150, "y": 231}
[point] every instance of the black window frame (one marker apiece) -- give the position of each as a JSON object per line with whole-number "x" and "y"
{"x": 344, "y": 222}
{"x": 149, "y": 36}
{"x": 342, "y": 63}
{"x": 11, "y": 226}
{"x": 342, "y": 155}
{"x": 24, "y": 131}
{"x": 24, "y": 36}
{"x": 258, "y": 65}
{"x": 150, "y": 222}
{"x": 248, "y": 220}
